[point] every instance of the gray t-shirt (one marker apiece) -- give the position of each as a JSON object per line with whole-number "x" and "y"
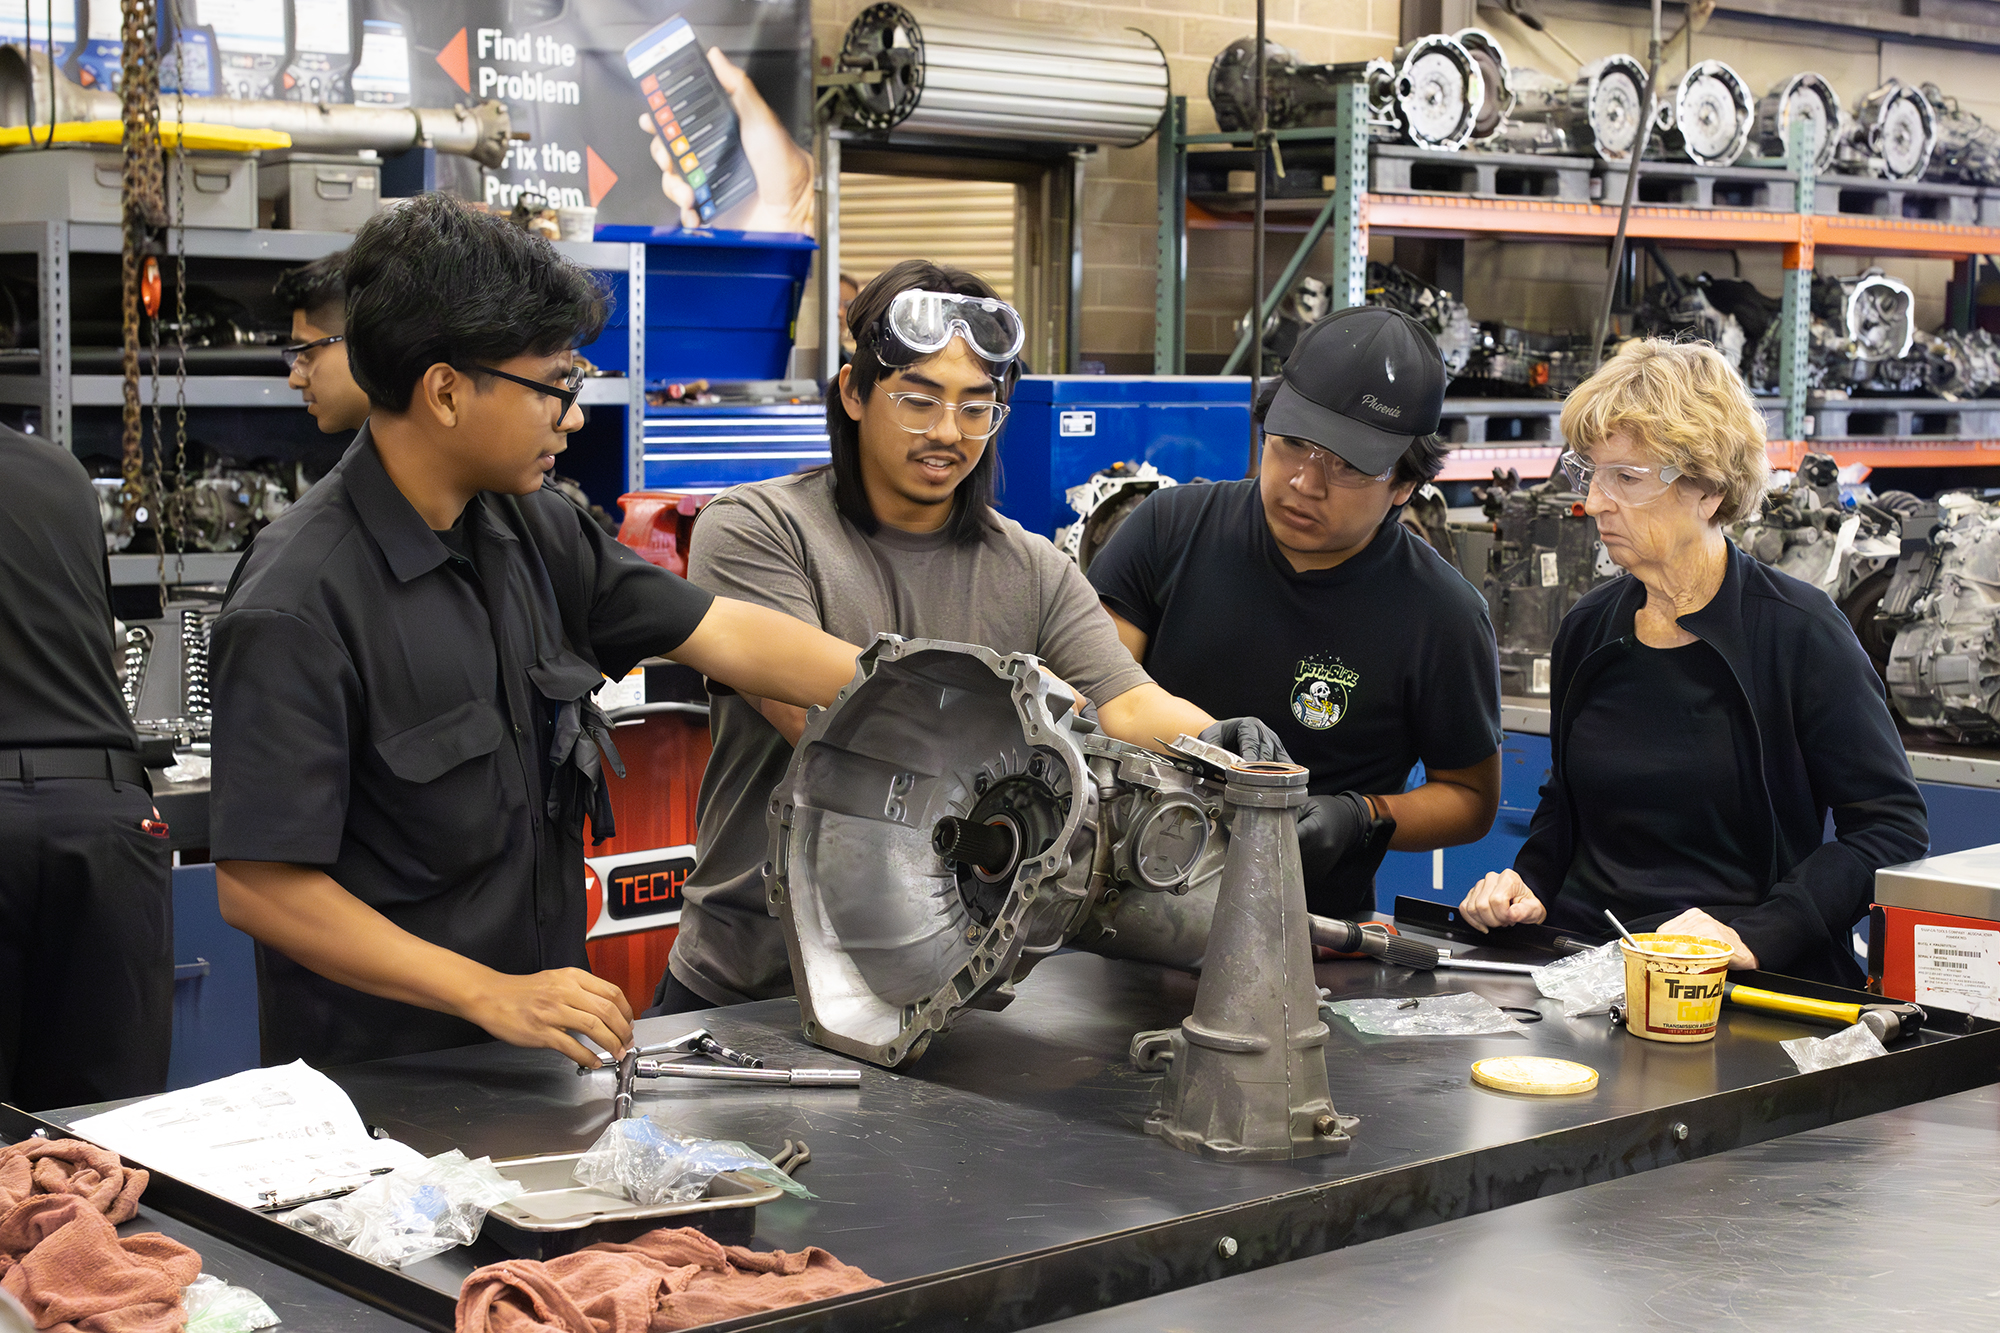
{"x": 783, "y": 544}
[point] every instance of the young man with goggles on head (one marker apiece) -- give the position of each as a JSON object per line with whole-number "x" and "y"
{"x": 898, "y": 535}
{"x": 1297, "y": 596}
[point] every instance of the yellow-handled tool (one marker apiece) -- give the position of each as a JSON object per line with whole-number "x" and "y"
{"x": 1888, "y": 1021}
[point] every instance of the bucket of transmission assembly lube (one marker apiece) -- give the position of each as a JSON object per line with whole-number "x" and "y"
{"x": 1673, "y": 986}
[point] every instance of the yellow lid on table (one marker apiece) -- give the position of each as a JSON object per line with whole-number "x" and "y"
{"x": 1535, "y": 1074}
{"x": 199, "y": 137}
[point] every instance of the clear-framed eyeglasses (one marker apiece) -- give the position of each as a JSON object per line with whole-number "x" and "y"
{"x": 920, "y": 414}
{"x": 1626, "y": 483}
{"x": 1298, "y": 456}
{"x": 293, "y": 353}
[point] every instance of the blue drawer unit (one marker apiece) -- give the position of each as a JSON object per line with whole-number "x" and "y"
{"x": 1524, "y": 766}
{"x": 703, "y": 449}
{"x": 1065, "y": 427}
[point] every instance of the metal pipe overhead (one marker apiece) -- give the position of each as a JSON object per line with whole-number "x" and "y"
{"x": 480, "y": 132}
{"x": 950, "y": 74}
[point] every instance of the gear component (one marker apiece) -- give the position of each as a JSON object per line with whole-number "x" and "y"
{"x": 1944, "y": 604}
{"x": 1806, "y": 97}
{"x": 1447, "y": 318}
{"x": 1496, "y": 79}
{"x": 1892, "y": 134}
{"x": 1103, "y": 504}
{"x": 1713, "y": 115}
{"x": 1600, "y": 112}
{"x": 1000, "y": 78}
{"x": 1968, "y": 149}
{"x": 949, "y": 821}
{"x": 1439, "y": 92}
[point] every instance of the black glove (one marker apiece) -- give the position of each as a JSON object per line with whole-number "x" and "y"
{"x": 1341, "y": 843}
{"x": 1248, "y": 738}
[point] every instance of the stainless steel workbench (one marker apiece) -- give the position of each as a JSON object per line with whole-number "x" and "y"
{"x": 1005, "y": 1182}
{"x": 1883, "y": 1223}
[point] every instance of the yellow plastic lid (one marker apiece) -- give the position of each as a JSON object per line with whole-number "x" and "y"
{"x": 1535, "y": 1074}
{"x": 198, "y": 137}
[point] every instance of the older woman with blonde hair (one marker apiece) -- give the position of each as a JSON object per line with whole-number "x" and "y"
{"x": 1707, "y": 712}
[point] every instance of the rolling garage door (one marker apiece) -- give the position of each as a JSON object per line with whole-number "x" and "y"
{"x": 969, "y": 224}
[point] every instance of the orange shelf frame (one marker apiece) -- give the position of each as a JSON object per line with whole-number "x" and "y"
{"x": 1475, "y": 462}
{"x": 1458, "y": 215}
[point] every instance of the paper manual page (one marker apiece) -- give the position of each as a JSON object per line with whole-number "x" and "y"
{"x": 259, "y": 1138}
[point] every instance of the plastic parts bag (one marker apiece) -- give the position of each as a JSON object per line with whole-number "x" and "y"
{"x": 1842, "y": 1048}
{"x": 644, "y": 1161}
{"x": 1461, "y": 1015}
{"x": 412, "y": 1213}
{"x": 213, "y": 1306}
{"x": 1584, "y": 983}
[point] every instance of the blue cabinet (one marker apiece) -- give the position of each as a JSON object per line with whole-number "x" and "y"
{"x": 215, "y": 986}
{"x": 1524, "y": 766}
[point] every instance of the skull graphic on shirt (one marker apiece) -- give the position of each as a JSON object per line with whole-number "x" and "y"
{"x": 1320, "y": 692}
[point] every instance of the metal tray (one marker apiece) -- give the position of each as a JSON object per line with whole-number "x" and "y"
{"x": 557, "y": 1215}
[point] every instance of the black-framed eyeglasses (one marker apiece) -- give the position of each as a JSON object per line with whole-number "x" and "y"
{"x": 566, "y": 393}
{"x": 297, "y": 350}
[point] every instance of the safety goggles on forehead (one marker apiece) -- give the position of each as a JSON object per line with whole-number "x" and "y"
{"x": 920, "y": 324}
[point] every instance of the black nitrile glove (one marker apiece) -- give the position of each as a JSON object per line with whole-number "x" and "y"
{"x": 1248, "y": 738}
{"x": 1340, "y": 843}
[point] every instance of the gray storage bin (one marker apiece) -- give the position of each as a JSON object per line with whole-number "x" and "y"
{"x": 80, "y": 183}
{"x": 319, "y": 191}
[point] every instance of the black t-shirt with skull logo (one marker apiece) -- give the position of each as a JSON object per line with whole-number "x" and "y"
{"x": 1362, "y": 670}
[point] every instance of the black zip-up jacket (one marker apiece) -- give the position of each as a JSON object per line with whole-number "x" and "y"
{"x": 1820, "y": 734}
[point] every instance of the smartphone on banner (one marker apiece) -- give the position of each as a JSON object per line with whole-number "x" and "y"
{"x": 322, "y": 52}
{"x": 692, "y": 116}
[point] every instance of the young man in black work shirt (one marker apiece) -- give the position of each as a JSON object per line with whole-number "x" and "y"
{"x": 86, "y": 896}
{"x": 316, "y": 362}
{"x": 405, "y": 744}
{"x": 1297, "y": 597}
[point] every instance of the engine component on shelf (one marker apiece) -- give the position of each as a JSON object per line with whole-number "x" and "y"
{"x": 1440, "y": 92}
{"x": 1804, "y": 529}
{"x": 225, "y": 507}
{"x": 1880, "y": 314}
{"x": 1599, "y": 112}
{"x": 1246, "y": 1072}
{"x": 1103, "y": 504}
{"x": 1296, "y": 96}
{"x": 1534, "y": 559}
{"x": 1891, "y": 134}
{"x": 1713, "y": 115}
{"x": 1677, "y": 306}
{"x": 889, "y": 938}
{"x": 1944, "y": 605}
{"x": 1862, "y": 336}
{"x": 481, "y": 131}
{"x": 119, "y": 523}
{"x": 1449, "y": 322}
{"x": 1968, "y": 149}
{"x": 1806, "y": 97}
{"x": 999, "y": 78}
{"x": 1497, "y": 82}
{"x": 1309, "y": 301}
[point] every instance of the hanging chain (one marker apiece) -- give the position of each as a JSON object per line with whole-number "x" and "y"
{"x": 142, "y": 208}
{"x": 181, "y": 496}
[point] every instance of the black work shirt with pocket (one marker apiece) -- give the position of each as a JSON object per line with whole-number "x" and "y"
{"x": 388, "y": 710}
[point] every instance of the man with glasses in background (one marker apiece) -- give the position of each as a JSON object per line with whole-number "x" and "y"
{"x": 316, "y": 362}
{"x": 406, "y": 746}
{"x": 1296, "y": 596}
{"x": 897, "y": 535}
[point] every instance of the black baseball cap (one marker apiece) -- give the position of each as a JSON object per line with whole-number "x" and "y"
{"x": 1363, "y": 383}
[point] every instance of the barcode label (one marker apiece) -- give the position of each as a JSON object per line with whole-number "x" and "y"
{"x": 1551, "y": 573}
{"x": 1957, "y": 968}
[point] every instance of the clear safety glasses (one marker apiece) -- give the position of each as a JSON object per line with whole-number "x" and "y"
{"x": 920, "y": 414}
{"x": 1296, "y": 456}
{"x": 1626, "y": 483}
{"x": 298, "y": 350}
{"x": 921, "y": 324}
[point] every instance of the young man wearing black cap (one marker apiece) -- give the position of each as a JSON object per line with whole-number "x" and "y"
{"x": 1297, "y": 597}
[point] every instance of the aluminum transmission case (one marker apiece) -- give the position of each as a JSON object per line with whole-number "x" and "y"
{"x": 948, "y": 822}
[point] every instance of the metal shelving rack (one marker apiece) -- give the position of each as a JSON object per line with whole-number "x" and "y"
{"x": 1351, "y": 214}
{"x": 58, "y": 391}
